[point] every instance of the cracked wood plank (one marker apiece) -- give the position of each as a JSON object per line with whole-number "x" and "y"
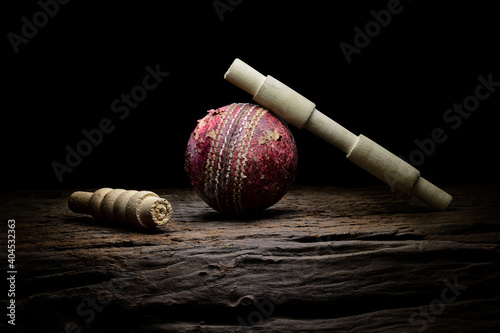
{"x": 322, "y": 259}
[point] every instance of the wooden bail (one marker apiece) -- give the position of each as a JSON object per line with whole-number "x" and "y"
{"x": 302, "y": 113}
{"x": 142, "y": 209}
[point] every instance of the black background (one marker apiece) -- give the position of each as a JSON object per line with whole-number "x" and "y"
{"x": 394, "y": 91}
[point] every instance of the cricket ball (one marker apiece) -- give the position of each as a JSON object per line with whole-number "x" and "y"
{"x": 241, "y": 159}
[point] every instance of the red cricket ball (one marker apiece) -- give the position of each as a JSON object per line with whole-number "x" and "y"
{"x": 241, "y": 159}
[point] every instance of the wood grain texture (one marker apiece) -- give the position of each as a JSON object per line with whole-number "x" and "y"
{"x": 321, "y": 260}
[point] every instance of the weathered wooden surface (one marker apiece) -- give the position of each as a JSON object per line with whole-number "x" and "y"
{"x": 321, "y": 260}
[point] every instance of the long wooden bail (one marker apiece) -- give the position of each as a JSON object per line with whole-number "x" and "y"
{"x": 302, "y": 113}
